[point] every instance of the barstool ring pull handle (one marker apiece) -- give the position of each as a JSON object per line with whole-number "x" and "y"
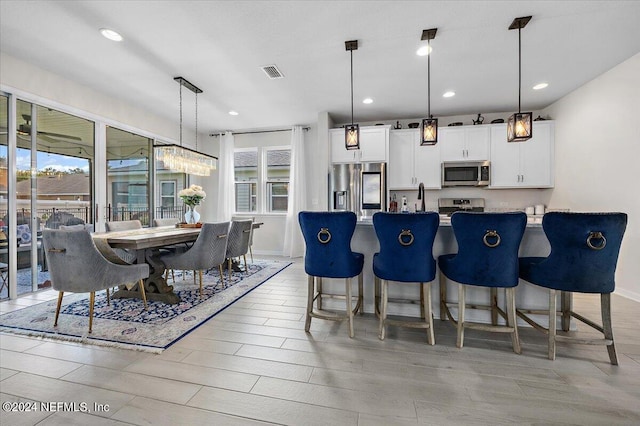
{"x": 324, "y": 231}
{"x": 405, "y": 233}
{"x": 491, "y": 234}
{"x": 596, "y": 235}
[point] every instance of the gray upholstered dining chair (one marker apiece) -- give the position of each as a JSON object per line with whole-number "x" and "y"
{"x": 76, "y": 265}
{"x": 207, "y": 252}
{"x": 124, "y": 225}
{"x": 238, "y": 244}
{"x": 167, "y": 221}
{"x": 253, "y": 219}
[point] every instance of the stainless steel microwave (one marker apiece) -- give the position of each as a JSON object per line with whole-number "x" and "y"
{"x": 466, "y": 173}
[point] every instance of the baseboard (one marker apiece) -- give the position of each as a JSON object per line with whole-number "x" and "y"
{"x": 633, "y": 295}
{"x": 267, "y": 253}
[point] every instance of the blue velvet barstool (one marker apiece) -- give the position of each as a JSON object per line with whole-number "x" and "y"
{"x": 406, "y": 256}
{"x": 583, "y": 259}
{"x": 487, "y": 256}
{"x": 328, "y": 254}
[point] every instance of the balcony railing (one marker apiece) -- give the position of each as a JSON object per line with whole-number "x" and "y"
{"x": 54, "y": 217}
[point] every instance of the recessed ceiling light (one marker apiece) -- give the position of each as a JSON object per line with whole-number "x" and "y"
{"x": 233, "y": 112}
{"x": 424, "y": 51}
{"x": 449, "y": 94}
{"x": 367, "y": 101}
{"x": 111, "y": 34}
{"x": 540, "y": 86}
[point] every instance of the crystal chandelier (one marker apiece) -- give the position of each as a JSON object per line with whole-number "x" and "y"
{"x": 184, "y": 160}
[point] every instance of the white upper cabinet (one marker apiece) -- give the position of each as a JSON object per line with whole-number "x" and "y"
{"x": 374, "y": 146}
{"x": 528, "y": 164}
{"x": 465, "y": 143}
{"x": 410, "y": 164}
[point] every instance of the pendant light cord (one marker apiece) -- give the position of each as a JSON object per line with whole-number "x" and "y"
{"x": 429, "y": 78}
{"x": 180, "y": 114}
{"x": 196, "y": 121}
{"x": 351, "y": 51}
{"x": 519, "y": 66}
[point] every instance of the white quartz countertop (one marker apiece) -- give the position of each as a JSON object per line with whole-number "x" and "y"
{"x": 532, "y": 221}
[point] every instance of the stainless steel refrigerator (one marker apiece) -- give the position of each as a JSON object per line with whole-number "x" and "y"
{"x": 358, "y": 187}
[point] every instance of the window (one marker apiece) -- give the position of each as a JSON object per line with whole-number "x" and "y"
{"x": 278, "y": 165}
{"x": 168, "y": 194}
{"x": 262, "y": 179}
{"x": 245, "y": 164}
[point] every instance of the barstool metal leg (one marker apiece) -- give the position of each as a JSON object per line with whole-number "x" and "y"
{"x": 422, "y": 310}
{"x": 319, "y": 287}
{"x": 512, "y": 319}
{"x": 310, "y": 291}
{"x": 349, "y": 311}
{"x": 426, "y": 307}
{"x": 552, "y": 324}
{"x": 360, "y": 294}
{"x": 494, "y": 305}
{"x": 461, "y": 306}
{"x": 376, "y": 299}
{"x": 384, "y": 288}
{"x": 443, "y": 296}
{"x": 605, "y": 307}
{"x": 565, "y": 306}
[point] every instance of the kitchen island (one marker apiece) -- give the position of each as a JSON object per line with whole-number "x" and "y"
{"x": 534, "y": 243}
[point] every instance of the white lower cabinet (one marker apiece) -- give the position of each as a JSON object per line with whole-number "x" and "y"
{"x": 528, "y": 164}
{"x": 410, "y": 164}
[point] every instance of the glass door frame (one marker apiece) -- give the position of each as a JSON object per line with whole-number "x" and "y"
{"x": 99, "y": 184}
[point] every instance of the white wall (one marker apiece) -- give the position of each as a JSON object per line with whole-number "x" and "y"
{"x": 597, "y": 154}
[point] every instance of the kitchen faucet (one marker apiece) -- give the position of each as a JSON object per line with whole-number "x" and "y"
{"x": 421, "y": 196}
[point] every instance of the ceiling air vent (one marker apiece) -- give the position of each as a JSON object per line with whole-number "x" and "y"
{"x": 272, "y": 71}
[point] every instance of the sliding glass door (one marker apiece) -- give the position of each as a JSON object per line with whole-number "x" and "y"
{"x": 54, "y": 179}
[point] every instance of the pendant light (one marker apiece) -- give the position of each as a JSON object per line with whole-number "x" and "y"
{"x": 519, "y": 127}
{"x": 179, "y": 159}
{"x": 352, "y": 131}
{"x": 429, "y": 134}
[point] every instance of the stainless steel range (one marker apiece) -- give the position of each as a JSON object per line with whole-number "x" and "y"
{"x": 449, "y": 206}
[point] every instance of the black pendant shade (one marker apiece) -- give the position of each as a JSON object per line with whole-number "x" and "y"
{"x": 352, "y": 131}
{"x": 519, "y": 125}
{"x": 429, "y": 133}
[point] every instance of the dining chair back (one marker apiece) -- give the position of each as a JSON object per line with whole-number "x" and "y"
{"x": 208, "y": 251}
{"x": 253, "y": 220}
{"x": 583, "y": 259}
{"x": 167, "y": 221}
{"x": 76, "y": 265}
{"x": 128, "y": 256}
{"x": 123, "y": 225}
{"x": 238, "y": 244}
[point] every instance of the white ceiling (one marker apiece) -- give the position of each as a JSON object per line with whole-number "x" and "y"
{"x": 220, "y": 46}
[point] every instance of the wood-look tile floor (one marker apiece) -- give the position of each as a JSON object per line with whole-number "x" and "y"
{"x": 254, "y": 364}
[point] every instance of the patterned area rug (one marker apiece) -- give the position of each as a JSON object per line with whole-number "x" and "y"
{"x": 126, "y": 324}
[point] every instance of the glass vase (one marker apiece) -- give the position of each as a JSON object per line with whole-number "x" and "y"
{"x": 191, "y": 216}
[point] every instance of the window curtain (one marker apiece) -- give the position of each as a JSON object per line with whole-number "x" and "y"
{"x": 226, "y": 186}
{"x": 293, "y": 240}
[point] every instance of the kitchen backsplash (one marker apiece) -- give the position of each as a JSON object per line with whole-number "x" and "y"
{"x": 495, "y": 199}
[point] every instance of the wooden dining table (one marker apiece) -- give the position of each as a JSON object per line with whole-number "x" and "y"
{"x": 146, "y": 242}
